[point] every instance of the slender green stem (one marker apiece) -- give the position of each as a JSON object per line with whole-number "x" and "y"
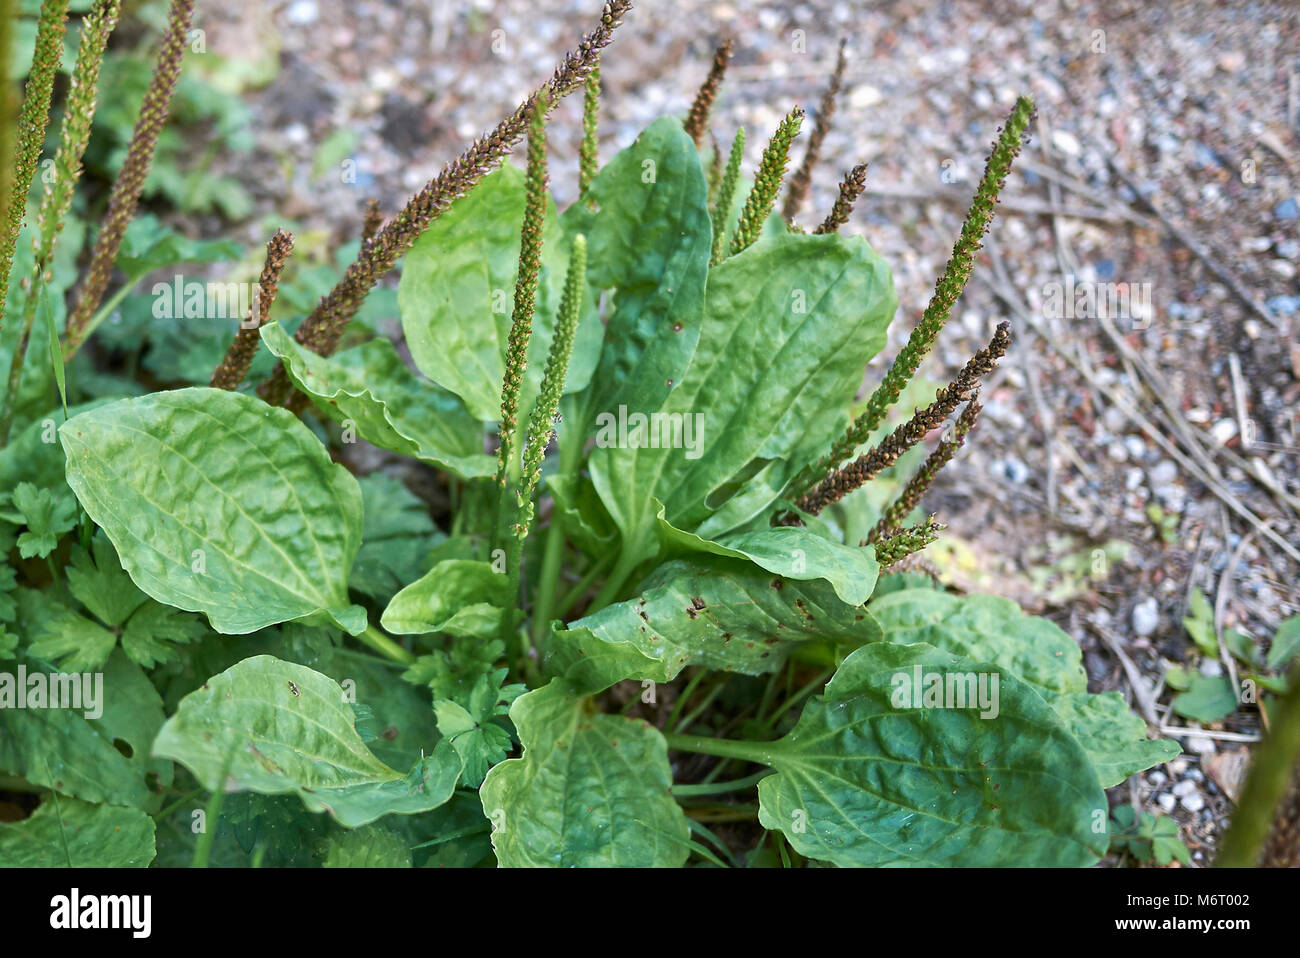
{"x": 713, "y": 839}
{"x": 798, "y": 697}
{"x": 385, "y": 646}
{"x": 682, "y": 699}
{"x": 760, "y": 753}
{"x": 211, "y": 816}
{"x": 588, "y": 577}
{"x": 716, "y": 788}
{"x": 690, "y": 718}
{"x": 623, "y": 569}
{"x": 160, "y": 816}
{"x": 549, "y": 577}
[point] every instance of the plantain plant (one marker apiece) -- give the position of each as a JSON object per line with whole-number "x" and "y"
{"x": 661, "y": 612}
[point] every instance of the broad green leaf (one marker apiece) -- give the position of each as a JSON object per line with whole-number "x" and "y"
{"x": 69, "y": 833}
{"x": 1286, "y": 643}
{"x": 787, "y": 330}
{"x": 463, "y": 597}
{"x": 646, "y": 220}
{"x": 1114, "y": 738}
{"x": 370, "y": 388}
{"x": 790, "y": 551}
{"x": 34, "y": 454}
{"x": 590, "y": 791}
{"x": 992, "y": 629}
{"x": 868, "y": 778}
{"x": 716, "y": 612}
{"x": 272, "y": 727}
{"x": 987, "y": 629}
{"x": 217, "y": 503}
{"x": 1209, "y": 699}
{"x": 457, "y": 292}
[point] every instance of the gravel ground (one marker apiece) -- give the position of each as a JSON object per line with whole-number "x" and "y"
{"x": 1119, "y": 463}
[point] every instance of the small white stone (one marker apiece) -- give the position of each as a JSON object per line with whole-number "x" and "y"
{"x": 1193, "y": 802}
{"x": 1185, "y": 787}
{"x": 1166, "y": 801}
{"x": 1146, "y": 617}
{"x": 1200, "y": 744}
{"x": 1066, "y": 143}
{"x": 1157, "y": 778}
{"x": 1211, "y": 667}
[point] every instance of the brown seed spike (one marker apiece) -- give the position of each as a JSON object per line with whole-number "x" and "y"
{"x": 125, "y": 195}
{"x": 851, "y": 187}
{"x": 697, "y": 121}
{"x": 321, "y": 331}
{"x": 234, "y": 367}
{"x": 801, "y": 182}
{"x": 843, "y": 481}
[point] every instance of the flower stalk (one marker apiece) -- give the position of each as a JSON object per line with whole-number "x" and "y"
{"x": 239, "y": 357}
{"x": 801, "y": 182}
{"x": 767, "y": 182}
{"x": 726, "y": 194}
{"x": 125, "y": 195}
{"x": 323, "y": 328}
{"x": 587, "y": 151}
{"x": 33, "y": 118}
{"x": 697, "y": 121}
{"x": 851, "y": 187}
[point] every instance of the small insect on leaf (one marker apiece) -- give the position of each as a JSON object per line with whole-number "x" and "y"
{"x": 293, "y": 687}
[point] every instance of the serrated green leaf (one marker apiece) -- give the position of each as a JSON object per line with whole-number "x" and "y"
{"x": 371, "y": 846}
{"x": 73, "y": 641}
{"x": 217, "y": 503}
{"x": 77, "y": 834}
{"x": 866, "y": 780}
{"x": 101, "y": 585}
{"x": 371, "y": 388}
{"x": 153, "y": 632}
{"x": 711, "y": 611}
{"x": 149, "y": 245}
{"x": 590, "y": 790}
{"x": 46, "y": 516}
{"x": 273, "y": 727}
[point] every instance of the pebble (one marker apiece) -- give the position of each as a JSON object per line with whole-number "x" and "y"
{"x": 1199, "y": 744}
{"x": 1166, "y": 801}
{"x": 1287, "y": 210}
{"x": 1211, "y": 667}
{"x": 1193, "y": 802}
{"x": 1223, "y": 430}
{"x": 1282, "y": 268}
{"x": 1157, "y": 778}
{"x": 1146, "y": 617}
{"x": 303, "y": 12}
{"x": 1067, "y": 143}
{"x": 1015, "y": 470}
{"x": 1184, "y": 788}
{"x": 1163, "y": 472}
{"x": 1135, "y": 446}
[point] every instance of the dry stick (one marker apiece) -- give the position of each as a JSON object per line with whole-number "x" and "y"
{"x": 1221, "y": 606}
{"x": 234, "y": 367}
{"x": 1102, "y": 201}
{"x": 33, "y": 118}
{"x": 697, "y": 121}
{"x": 851, "y": 187}
{"x": 1193, "y": 439}
{"x": 1013, "y": 203}
{"x": 323, "y": 328}
{"x": 1009, "y": 297}
{"x": 1201, "y": 253}
{"x": 125, "y": 195}
{"x": 801, "y": 182}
